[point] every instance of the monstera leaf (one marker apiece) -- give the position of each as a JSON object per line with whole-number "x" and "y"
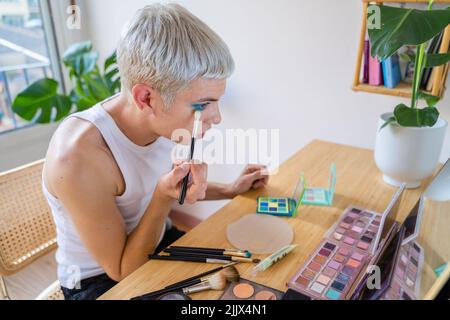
{"x": 80, "y": 58}
{"x": 403, "y": 26}
{"x": 39, "y": 100}
{"x": 111, "y": 72}
{"x": 413, "y": 117}
{"x": 432, "y": 60}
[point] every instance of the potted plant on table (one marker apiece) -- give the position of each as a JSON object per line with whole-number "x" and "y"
{"x": 410, "y": 139}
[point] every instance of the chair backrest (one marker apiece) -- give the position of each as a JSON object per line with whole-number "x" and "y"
{"x": 27, "y": 230}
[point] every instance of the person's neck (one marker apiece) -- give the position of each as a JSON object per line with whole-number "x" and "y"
{"x": 129, "y": 121}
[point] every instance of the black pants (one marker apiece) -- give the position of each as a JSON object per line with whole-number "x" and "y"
{"x": 94, "y": 287}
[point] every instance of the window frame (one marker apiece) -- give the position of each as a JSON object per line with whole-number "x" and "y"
{"x": 51, "y": 43}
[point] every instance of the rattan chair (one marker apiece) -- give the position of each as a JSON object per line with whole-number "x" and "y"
{"x": 27, "y": 230}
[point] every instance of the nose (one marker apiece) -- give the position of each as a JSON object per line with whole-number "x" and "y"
{"x": 212, "y": 114}
{"x": 216, "y": 117}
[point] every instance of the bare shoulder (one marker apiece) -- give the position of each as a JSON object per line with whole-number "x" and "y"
{"x": 78, "y": 156}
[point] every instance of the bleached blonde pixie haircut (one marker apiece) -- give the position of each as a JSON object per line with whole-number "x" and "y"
{"x": 167, "y": 47}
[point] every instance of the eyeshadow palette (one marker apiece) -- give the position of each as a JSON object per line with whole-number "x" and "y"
{"x": 279, "y": 206}
{"x": 335, "y": 268}
{"x": 408, "y": 270}
{"x": 329, "y": 272}
{"x": 357, "y": 228}
{"x": 322, "y": 196}
{"x": 249, "y": 290}
{"x": 283, "y": 206}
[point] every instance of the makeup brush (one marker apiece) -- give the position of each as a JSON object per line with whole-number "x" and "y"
{"x": 225, "y": 252}
{"x": 197, "y": 116}
{"x": 208, "y": 249}
{"x": 203, "y": 259}
{"x": 231, "y": 274}
{"x": 202, "y": 275}
{"x": 212, "y": 256}
{"x": 217, "y": 281}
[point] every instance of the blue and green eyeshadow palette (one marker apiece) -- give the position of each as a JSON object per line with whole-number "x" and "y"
{"x": 321, "y": 196}
{"x": 282, "y": 206}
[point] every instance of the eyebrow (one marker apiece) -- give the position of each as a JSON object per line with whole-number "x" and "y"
{"x": 208, "y": 99}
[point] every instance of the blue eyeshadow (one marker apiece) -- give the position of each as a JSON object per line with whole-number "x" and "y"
{"x": 332, "y": 294}
{"x": 343, "y": 278}
{"x": 338, "y": 286}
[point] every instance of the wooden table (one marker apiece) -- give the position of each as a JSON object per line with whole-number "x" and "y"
{"x": 359, "y": 183}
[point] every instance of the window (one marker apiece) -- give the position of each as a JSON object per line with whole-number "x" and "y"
{"x": 24, "y": 54}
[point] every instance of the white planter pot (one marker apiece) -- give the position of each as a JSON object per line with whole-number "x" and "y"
{"x": 408, "y": 154}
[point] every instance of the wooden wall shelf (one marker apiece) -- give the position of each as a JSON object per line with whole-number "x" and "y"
{"x": 403, "y": 89}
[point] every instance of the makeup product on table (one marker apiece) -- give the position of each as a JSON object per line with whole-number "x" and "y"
{"x": 322, "y": 196}
{"x": 249, "y": 290}
{"x": 190, "y": 254}
{"x": 229, "y": 273}
{"x": 187, "y": 259}
{"x": 331, "y": 272}
{"x": 384, "y": 260}
{"x": 274, "y": 257}
{"x": 197, "y": 115}
{"x": 282, "y": 206}
{"x": 405, "y": 284}
{"x": 363, "y": 229}
{"x": 225, "y": 252}
{"x": 215, "y": 282}
{"x": 260, "y": 233}
{"x": 201, "y": 275}
{"x": 413, "y": 220}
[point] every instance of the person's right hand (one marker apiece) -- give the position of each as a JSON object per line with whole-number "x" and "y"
{"x": 170, "y": 183}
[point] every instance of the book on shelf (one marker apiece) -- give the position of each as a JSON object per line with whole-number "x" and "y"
{"x": 391, "y": 71}
{"x": 366, "y": 57}
{"x": 375, "y": 72}
{"x": 433, "y": 48}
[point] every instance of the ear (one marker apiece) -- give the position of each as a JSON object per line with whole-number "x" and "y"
{"x": 144, "y": 97}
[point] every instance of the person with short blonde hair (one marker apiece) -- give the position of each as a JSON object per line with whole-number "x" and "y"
{"x": 108, "y": 175}
{"x": 169, "y": 47}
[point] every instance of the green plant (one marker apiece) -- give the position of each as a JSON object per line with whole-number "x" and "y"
{"x": 403, "y": 26}
{"x": 41, "y": 102}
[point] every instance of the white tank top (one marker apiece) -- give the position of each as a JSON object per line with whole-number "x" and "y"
{"x": 141, "y": 168}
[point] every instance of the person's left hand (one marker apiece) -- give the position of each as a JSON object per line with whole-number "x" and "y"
{"x": 252, "y": 177}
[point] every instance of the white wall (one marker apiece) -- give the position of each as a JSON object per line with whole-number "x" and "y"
{"x": 24, "y": 146}
{"x": 295, "y": 61}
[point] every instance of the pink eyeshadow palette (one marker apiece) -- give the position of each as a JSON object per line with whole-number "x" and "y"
{"x": 357, "y": 228}
{"x": 329, "y": 273}
{"x": 407, "y": 274}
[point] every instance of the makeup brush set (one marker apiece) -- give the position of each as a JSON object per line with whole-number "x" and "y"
{"x": 225, "y": 278}
{"x": 204, "y": 255}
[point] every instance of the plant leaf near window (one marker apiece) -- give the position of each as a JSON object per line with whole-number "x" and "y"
{"x": 41, "y": 102}
{"x": 42, "y": 95}
{"x": 404, "y": 26}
